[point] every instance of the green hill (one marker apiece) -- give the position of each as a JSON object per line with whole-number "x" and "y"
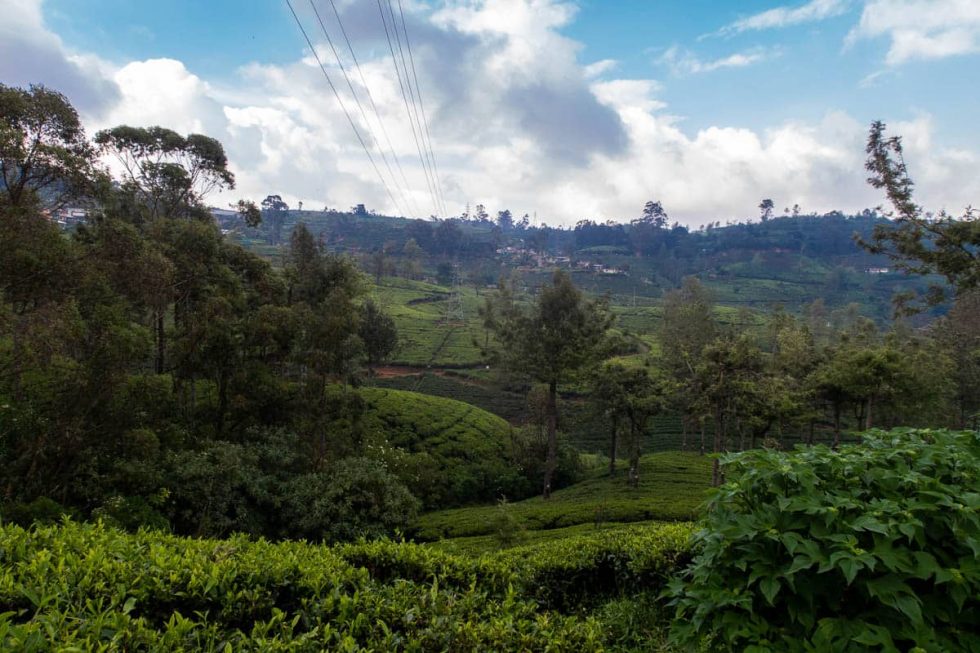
{"x": 447, "y": 452}
{"x": 425, "y": 338}
{"x": 672, "y": 487}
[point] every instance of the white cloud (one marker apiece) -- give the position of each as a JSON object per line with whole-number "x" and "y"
{"x": 517, "y": 122}
{"x": 921, "y": 29}
{"x": 683, "y": 62}
{"x": 785, "y": 16}
{"x": 599, "y": 68}
{"x": 30, "y": 53}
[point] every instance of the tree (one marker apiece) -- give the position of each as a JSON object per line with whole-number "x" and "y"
{"x": 505, "y": 220}
{"x": 630, "y": 396}
{"x": 413, "y": 259}
{"x": 550, "y": 341}
{"x": 274, "y": 212}
{"x": 765, "y": 209}
{"x": 728, "y": 378}
{"x": 44, "y": 155}
{"x": 378, "y": 333}
{"x": 169, "y": 174}
{"x": 917, "y": 242}
{"x": 448, "y": 237}
{"x": 654, "y": 213}
{"x": 688, "y": 328}
{"x": 647, "y": 231}
{"x": 481, "y": 213}
{"x": 958, "y": 334}
{"x": 248, "y": 212}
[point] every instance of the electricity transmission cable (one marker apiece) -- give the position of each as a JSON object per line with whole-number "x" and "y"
{"x": 374, "y": 106}
{"x": 425, "y": 119}
{"x": 340, "y": 101}
{"x": 357, "y": 101}
{"x": 409, "y": 108}
{"x": 418, "y": 146}
{"x": 415, "y": 109}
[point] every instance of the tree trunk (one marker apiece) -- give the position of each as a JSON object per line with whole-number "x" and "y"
{"x": 160, "y": 342}
{"x": 702, "y": 435}
{"x": 634, "y": 477}
{"x": 612, "y": 447}
{"x": 551, "y": 462}
{"x": 867, "y": 417}
{"x": 715, "y": 464}
{"x": 684, "y": 425}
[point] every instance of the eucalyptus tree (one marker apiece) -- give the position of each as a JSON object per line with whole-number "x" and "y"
{"x": 551, "y": 340}
{"x": 45, "y": 157}
{"x": 168, "y": 174}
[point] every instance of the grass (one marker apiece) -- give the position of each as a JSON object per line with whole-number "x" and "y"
{"x": 672, "y": 487}
{"x": 477, "y": 545}
{"x": 463, "y": 386}
{"x": 418, "y": 310}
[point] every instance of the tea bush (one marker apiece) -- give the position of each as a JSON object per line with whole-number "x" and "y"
{"x": 87, "y": 587}
{"x": 582, "y": 570}
{"x": 672, "y": 487}
{"x": 875, "y": 547}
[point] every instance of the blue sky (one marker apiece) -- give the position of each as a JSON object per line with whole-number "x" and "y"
{"x": 570, "y": 109}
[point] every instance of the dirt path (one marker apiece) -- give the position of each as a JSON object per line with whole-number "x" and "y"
{"x": 394, "y": 371}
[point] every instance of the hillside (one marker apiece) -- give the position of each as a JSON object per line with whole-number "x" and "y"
{"x": 790, "y": 260}
{"x": 445, "y": 451}
{"x": 672, "y": 487}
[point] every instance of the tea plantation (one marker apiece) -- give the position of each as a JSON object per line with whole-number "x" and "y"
{"x": 447, "y": 452}
{"x": 672, "y": 487}
{"x": 85, "y": 587}
{"x": 809, "y": 530}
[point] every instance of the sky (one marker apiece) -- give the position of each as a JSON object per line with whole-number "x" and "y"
{"x": 561, "y": 109}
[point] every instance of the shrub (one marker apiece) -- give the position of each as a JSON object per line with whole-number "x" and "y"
{"x": 581, "y": 571}
{"x": 86, "y": 587}
{"x": 355, "y": 497}
{"x": 871, "y": 548}
{"x": 42, "y": 510}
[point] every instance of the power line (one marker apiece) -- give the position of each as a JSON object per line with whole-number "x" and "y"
{"x": 426, "y": 147}
{"x": 425, "y": 119}
{"x": 374, "y": 106}
{"x": 357, "y": 101}
{"x": 418, "y": 147}
{"x": 340, "y": 101}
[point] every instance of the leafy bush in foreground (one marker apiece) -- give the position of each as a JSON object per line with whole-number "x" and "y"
{"x": 88, "y": 587}
{"x": 871, "y": 548}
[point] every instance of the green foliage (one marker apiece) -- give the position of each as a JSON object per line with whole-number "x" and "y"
{"x": 507, "y": 530}
{"x": 446, "y": 452}
{"x": 871, "y": 548}
{"x": 918, "y": 242}
{"x": 42, "y": 510}
{"x": 354, "y": 497}
{"x": 44, "y": 155}
{"x": 672, "y": 486}
{"x": 580, "y": 571}
{"x": 168, "y": 174}
{"x": 86, "y": 587}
